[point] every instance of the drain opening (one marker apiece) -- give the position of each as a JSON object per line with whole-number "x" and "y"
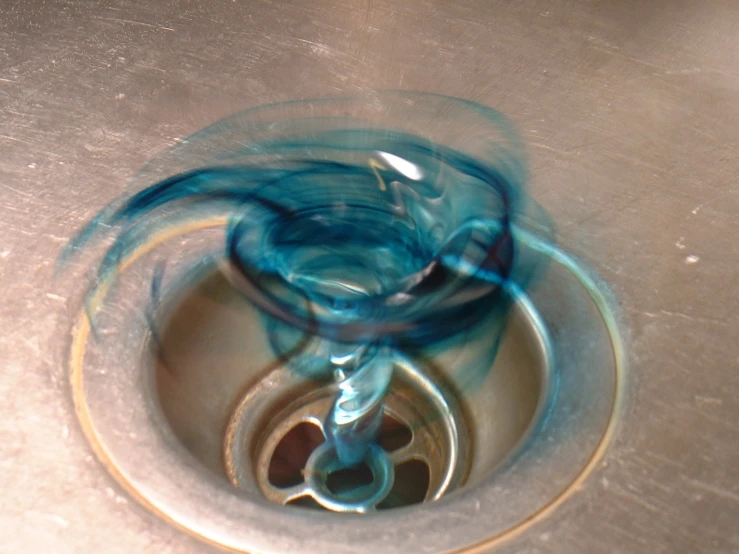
{"x": 292, "y": 452}
{"x": 412, "y": 480}
{"x": 306, "y": 502}
{"x": 349, "y": 479}
{"x": 288, "y": 462}
{"x": 393, "y": 434}
{"x": 275, "y": 443}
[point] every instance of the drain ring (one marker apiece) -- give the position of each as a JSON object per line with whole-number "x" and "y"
{"x": 365, "y": 499}
{"x": 181, "y": 493}
{"x": 417, "y": 400}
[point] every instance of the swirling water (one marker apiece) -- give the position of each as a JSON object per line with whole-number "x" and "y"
{"x": 371, "y": 240}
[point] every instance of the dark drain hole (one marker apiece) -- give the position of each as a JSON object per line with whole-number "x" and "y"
{"x": 349, "y": 479}
{"x": 393, "y": 434}
{"x": 306, "y": 502}
{"x": 291, "y": 454}
{"x": 411, "y": 485}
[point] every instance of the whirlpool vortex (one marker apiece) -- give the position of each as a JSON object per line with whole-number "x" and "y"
{"x": 363, "y": 229}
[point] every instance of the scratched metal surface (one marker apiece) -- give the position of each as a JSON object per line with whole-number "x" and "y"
{"x": 630, "y": 111}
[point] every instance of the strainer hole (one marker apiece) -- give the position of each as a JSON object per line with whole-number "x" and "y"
{"x": 306, "y": 502}
{"x": 350, "y": 478}
{"x": 393, "y": 434}
{"x": 412, "y": 479}
{"x": 291, "y": 454}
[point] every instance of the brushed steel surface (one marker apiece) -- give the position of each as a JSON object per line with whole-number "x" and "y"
{"x": 631, "y": 115}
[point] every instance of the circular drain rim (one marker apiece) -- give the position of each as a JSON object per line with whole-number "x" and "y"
{"x": 221, "y": 530}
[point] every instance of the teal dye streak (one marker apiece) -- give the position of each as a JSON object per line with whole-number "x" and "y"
{"x": 369, "y": 239}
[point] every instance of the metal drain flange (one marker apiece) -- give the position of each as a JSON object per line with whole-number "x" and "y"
{"x": 279, "y": 402}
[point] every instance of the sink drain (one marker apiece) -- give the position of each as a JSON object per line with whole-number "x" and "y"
{"x": 495, "y": 393}
{"x": 159, "y": 422}
{"x": 423, "y": 426}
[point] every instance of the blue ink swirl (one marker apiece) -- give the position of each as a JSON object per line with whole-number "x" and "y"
{"x": 375, "y": 225}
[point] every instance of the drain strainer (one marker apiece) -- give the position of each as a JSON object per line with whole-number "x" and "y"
{"x": 423, "y": 429}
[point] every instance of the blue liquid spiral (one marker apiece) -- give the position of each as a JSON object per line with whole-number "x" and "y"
{"x": 371, "y": 226}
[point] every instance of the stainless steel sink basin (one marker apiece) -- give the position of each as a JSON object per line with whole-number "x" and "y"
{"x": 629, "y": 113}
